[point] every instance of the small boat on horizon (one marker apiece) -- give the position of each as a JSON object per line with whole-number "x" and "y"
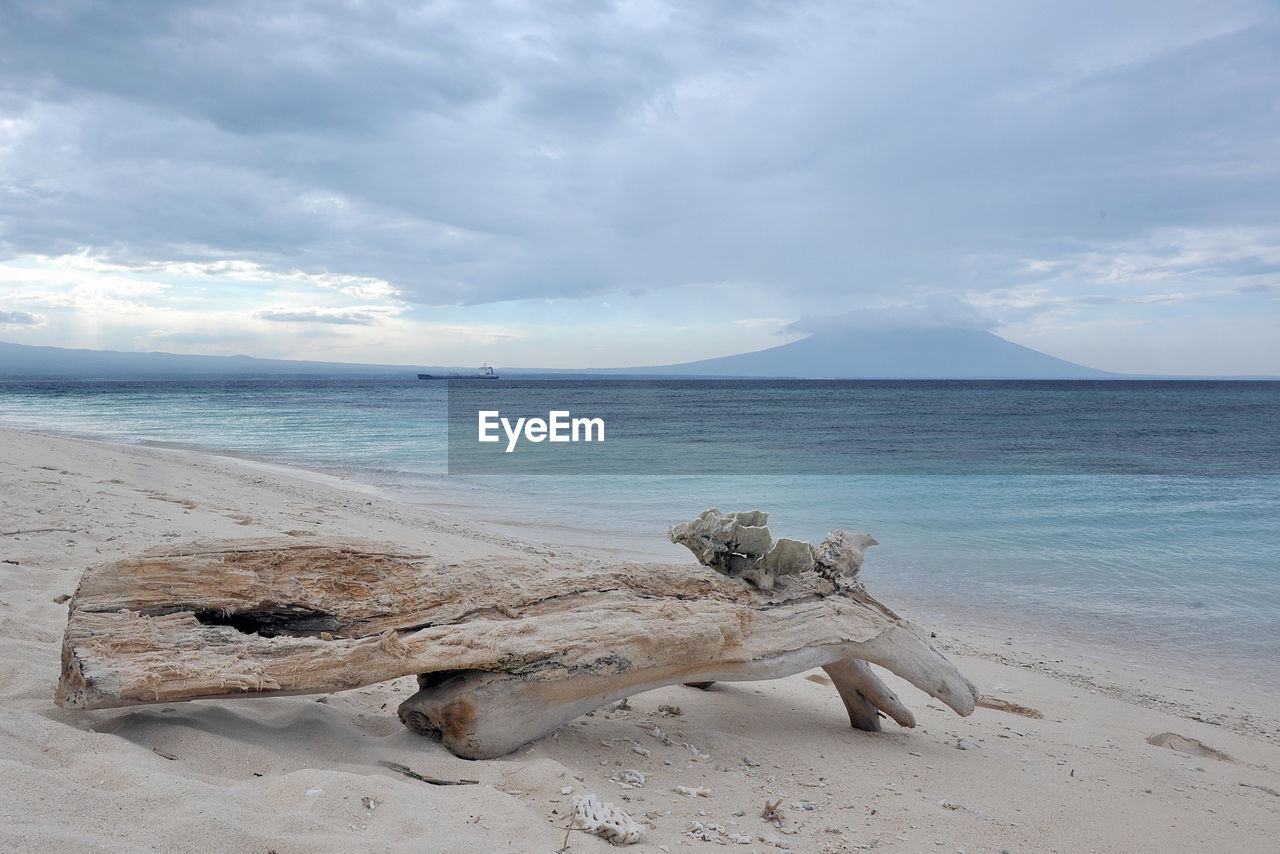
{"x": 484, "y": 372}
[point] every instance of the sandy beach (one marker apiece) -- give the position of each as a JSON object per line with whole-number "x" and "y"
{"x": 1086, "y": 753}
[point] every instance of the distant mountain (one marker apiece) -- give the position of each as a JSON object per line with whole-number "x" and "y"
{"x": 21, "y": 361}
{"x": 861, "y": 354}
{"x": 922, "y": 353}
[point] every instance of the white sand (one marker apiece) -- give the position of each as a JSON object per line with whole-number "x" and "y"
{"x": 291, "y": 774}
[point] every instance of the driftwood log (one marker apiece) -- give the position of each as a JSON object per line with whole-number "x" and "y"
{"x": 505, "y": 650}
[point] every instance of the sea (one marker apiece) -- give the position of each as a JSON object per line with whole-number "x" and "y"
{"x": 1134, "y": 518}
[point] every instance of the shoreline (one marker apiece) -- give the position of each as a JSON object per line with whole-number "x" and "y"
{"x": 1165, "y": 667}
{"x": 974, "y": 630}
{"x": 80, "y": 501}
{"x": 1081, "y": 618}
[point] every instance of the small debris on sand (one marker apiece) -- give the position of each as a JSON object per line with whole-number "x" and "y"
{"x": 629, "y": 778}
{"x": 989, "y": 702}
{"x": 435, "y": 781}
{"x": 604, "y": 820}
{"x": 772, "y": 812}
{"x": 1267, "y": 789}
{"x": 951, "y": 805}
{"x": 1183, "y": 744}
{"x": 697, "y": 754}
{"x": 708, "y": 832}
{"x": 693, "y": 791}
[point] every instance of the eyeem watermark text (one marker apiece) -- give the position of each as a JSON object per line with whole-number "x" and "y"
{"x": 557, "y": 427}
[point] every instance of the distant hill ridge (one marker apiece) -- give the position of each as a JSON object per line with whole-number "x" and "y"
{"x": 925, "y": 353}
{"x": 22, "y": 361}
{"x": 894, "y": 353}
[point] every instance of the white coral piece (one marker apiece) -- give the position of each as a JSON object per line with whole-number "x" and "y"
{"x": 693, "y": 791}
{"x": 630, "y": 778}
{"x": 840, "y": 554}
{"x": 604, "y": 820}
{"x": 740, "y": 545}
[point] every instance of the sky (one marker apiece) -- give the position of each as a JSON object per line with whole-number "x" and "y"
{"x": 601, "y": 184}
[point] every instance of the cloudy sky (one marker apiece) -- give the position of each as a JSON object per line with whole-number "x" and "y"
{"x": 578, "y": 183}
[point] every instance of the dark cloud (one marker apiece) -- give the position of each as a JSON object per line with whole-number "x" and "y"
{"x": 320, "y": 67}
{"x": 476, "y": 152}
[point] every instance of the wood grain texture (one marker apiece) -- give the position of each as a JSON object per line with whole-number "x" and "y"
{"x": 272, "y": 617}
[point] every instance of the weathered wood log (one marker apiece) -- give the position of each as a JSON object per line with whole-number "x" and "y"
{"x": 506, "y": 650}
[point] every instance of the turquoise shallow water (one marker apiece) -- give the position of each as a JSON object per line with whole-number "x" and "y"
{"x": 1140, "y": 517}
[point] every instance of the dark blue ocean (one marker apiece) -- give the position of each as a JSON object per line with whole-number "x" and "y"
{"x": 1141, "y": 517}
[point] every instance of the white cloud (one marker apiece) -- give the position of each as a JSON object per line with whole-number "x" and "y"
{"x": 928, "y": 311}
{"x": 1212, "y": 266}
{"x": 364, "y": 315}
{"x": 1035, "y": 162}
{"x": 762, "y": 323}
{"x": 20, "y": 318}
